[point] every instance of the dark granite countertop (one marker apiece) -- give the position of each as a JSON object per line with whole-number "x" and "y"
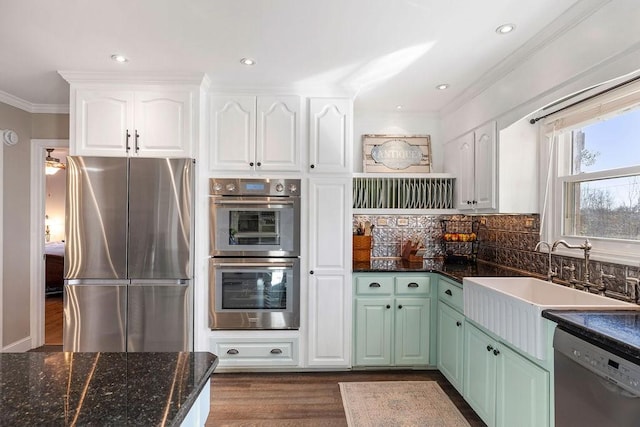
{"x": 115, "y": 389}
{"x": 453, "y": 271}
{"x": 616, "y": 331}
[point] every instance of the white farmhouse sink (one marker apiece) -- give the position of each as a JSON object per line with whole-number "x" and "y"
{"x": 511, "y": 307}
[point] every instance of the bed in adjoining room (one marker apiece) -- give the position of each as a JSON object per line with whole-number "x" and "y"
{"x": 54, "y": 267}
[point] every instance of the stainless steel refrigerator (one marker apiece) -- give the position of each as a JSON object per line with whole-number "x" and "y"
{"x": 128, "y": 268}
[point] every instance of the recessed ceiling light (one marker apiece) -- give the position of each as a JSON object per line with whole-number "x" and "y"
{"x": 247, "y": 61}
{"x": 398, "y": 107}
{"x": 442, "y": 86}
{"x": 505, "y": 29}
{"x": 119, "y": 58}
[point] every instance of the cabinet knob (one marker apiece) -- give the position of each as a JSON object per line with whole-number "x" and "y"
{"x": 388, "y": 306}
{"x": 232, "y": 351}
{"x": 311, "y": 272}
{"x": 412, "y": 285}
{"x": 489, "y": 348}
{"x": 312, "y": 166}
{"x": 496, "y": 352}
{"x": 259, "y": 164}
{"x": 458, "y": 323}
{"x": 448, "y": 292}
{"x": 400, "y": 306}
{"x": 251, "y": 164}
{"x": 374, "y": 285}
{"x": 275, "y": 351}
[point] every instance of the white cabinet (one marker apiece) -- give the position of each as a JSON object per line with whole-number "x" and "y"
{"x": 495, "y": 174}
{"x": 472, "y": 159}
{"x": 330, "y": 145}
{"x": 148, "y": 123}
{"x": 329, "y": 262}
{"x": 249, "y": 133}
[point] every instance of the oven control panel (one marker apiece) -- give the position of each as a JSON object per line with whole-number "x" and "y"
{"x": 254, "y": 187}
{"x": 600, "y": 361}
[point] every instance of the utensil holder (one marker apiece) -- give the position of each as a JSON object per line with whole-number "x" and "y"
{"x": 361, "y": 248}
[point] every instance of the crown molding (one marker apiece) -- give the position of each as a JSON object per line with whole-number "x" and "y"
{"x": 150, "y": 78}
{"x": 568, "y": 20}
{"x": 30, "y": 107}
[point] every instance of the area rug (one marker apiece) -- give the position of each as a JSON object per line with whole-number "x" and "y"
{"x": 398, "y": 403}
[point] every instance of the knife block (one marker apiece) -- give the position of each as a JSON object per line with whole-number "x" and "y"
{"x": 361, "y": 248}
{"x": 412, "y": 253}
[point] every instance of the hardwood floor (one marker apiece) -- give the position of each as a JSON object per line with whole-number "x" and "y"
{"x": 53, "y": 320}
{"x": 302, "y": 399}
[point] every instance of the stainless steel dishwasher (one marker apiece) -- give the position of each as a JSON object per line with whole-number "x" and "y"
{"x": 593, "y": 387}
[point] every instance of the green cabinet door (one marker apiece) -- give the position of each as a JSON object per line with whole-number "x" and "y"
{"x": 479, "y": 376}
{"x": 373, "y": 331}
{"x": 522, "y": 392}
{"x": 412, "y": 331}
{"x": 450, "y": 344}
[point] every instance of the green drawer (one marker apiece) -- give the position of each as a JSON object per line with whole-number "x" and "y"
{"x": 451, "y": 294}
{"x": 374, "y": 285}
{"x": 413, "y": 285}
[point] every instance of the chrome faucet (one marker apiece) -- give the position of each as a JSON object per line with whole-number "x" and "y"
{"x": 550, "y": 272}
{"x": 602, "y": 288}
{"x": 586, "y": 247}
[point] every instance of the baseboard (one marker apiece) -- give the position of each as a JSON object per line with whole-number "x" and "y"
{"x": 19, "y": 346}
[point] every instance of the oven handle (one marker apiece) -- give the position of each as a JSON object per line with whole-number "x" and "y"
{"x": 253, "y": 202}
{"x": 253, "y": 264}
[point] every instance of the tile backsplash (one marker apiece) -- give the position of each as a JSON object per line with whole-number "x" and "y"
{"x": 505, "y": 240}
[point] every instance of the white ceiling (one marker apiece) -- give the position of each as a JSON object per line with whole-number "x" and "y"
{"x": 387, "y": 52}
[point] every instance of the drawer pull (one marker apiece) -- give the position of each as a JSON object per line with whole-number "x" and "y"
{"x": 374, "y": 285}
{"x": 275, "y": 351}
{"x": 232, "y": 351}
{"x": 412, "y": 285}
{"x": 458, "y": 323}
{"x": 448, "y": 292}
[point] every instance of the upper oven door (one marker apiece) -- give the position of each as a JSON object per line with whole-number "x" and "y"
{"x": 254, "y": 226}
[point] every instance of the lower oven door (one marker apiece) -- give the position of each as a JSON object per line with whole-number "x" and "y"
{"x": 254, "y": 293}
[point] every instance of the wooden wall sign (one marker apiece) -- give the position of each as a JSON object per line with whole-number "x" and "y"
{"x": 396, "y": 153}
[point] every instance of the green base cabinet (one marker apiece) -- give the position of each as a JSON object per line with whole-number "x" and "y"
{"x": 523, "y": 391}
{"x": 373, "y": 331}
{"x": 450, "y": 344}
{"x": 392, "y": 320}
{"x": 503, "y": 387}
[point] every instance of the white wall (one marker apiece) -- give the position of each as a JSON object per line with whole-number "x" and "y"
{"x": 398, "y": 124}
{"x": 601, "y": 47}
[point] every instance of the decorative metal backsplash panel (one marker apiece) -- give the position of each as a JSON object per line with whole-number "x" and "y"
{"x": 402, "y": 193}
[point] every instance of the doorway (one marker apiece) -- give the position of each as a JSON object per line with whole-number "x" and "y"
{"x": 48, "y": 192}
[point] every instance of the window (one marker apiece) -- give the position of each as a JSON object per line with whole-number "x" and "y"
{"x": 594, "y": 175}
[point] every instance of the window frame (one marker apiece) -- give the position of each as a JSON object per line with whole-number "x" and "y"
{"x": 555, "y": 137}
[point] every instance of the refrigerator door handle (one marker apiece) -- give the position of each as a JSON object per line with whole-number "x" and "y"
{"x": 93, "y": 282}
{"x": 160, "y": 282}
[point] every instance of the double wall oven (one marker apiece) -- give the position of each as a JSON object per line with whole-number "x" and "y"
{"x": 254, "y": 265}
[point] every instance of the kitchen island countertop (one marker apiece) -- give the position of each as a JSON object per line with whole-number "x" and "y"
{"x": 64, "y": 388}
